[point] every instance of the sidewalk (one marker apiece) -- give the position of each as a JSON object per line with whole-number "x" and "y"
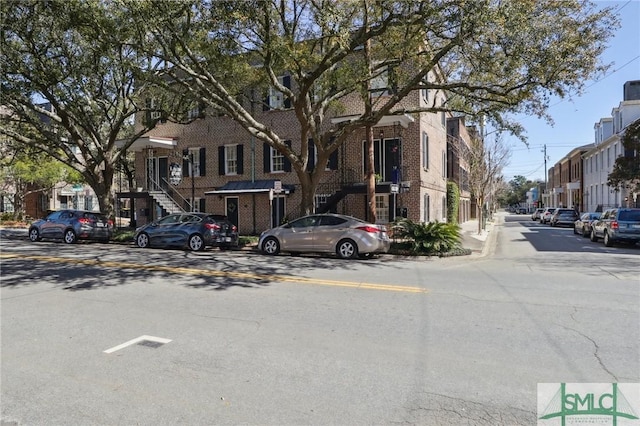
{"x": 479, "y": 243}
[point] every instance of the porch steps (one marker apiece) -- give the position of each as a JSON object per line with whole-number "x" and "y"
{"x": 166, "y": 202}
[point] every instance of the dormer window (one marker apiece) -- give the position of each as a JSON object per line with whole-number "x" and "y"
{"x": 275, "y": 99}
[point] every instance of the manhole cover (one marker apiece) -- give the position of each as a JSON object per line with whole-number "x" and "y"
{"x": 150, "y": 344}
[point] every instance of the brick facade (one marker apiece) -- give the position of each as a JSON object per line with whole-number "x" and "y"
{"x": 402, "y": 143}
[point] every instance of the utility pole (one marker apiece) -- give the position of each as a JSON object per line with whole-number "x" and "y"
{"x": 545, "y": 172}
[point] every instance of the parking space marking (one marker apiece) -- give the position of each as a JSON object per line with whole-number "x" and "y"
{"x": 137, "y": 340}
{"x": 214, "y": 273}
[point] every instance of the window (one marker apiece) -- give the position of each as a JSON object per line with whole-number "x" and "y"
{"x": 277, "y": 161}
{"x": 193, "y": 162}
{"x": 444, "y": 208}
{"x": 425, "y": 211}
{"x": 275, "y": 98}
{"x": 382, "y": 82}
{"x": 231, "y": 159}
{"x": 274, "y": 161}
{"x": 320, "y": 200}
{"x": 382, "y": 209}
{"x": 425, "y": 151}
{"x": 444, "y": 165}
{"x": 443, "y": 115}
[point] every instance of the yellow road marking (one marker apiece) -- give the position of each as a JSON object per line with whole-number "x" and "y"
{"x": 213, "y": 273}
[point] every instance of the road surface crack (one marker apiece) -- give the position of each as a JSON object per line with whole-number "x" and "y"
{"x": 595, "y": 352}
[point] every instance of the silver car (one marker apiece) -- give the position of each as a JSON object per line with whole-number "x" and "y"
{"x": 346, "y": 236}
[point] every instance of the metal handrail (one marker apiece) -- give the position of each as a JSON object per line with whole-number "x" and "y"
{"x": 157, "y": 187}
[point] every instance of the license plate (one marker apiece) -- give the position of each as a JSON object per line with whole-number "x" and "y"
{"x": 227, "y": 239}
{"x": 100, "y": 225}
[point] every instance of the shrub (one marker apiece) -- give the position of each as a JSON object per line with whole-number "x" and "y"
{"x": 453, "y": 202}
{"x": 432, "y": 238}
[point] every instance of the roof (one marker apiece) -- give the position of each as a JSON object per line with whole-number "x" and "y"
{"x": 247, "y": 186}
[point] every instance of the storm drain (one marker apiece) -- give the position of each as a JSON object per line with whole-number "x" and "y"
{"x": 150, "y": 344}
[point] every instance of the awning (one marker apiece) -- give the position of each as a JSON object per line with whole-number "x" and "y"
{"x": 150, "y": 142}
{"x": 388, "y": 120}
{"x": 248, "y": 187}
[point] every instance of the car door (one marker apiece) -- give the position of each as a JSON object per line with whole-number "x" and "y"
{"x": 49, "y": 228}
{"x": 298, "y": 235}
{"x": 160, "y": 232}
{"x": 329, "y": 231}
{"x": 600, "y": 225}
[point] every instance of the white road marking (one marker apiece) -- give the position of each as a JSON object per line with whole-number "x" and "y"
{"x": 136, "y": 340}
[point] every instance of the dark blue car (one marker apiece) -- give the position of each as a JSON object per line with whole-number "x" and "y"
{"x": 193, "y": 230}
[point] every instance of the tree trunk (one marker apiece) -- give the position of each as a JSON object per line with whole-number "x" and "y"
{"x": 479, "y": 214}
{"x": 371, "y": 177}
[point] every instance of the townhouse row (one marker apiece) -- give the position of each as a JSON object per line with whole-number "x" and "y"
{"x": 579, "y": 179}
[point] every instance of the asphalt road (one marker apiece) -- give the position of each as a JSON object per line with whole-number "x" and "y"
{"x": 110, "y": 334}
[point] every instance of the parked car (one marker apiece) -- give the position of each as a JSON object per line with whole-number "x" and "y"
{"x": 72, "y": 225}
{"x": 564, "y": 217}
{"x": 522, "y": 210}
{"x": 582, "y": 226}
{"x": 545, "y": 216}
{"x": 617, "y": 225}
{"x": 536, "y": 214}
{"x": 193, "y": 230}
{"x": 346, "y": 236}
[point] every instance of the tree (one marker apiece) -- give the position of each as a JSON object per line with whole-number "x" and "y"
{"x": 70, "y": 75}
{"x": 626, "y": 169}
{"x": 486, "y": 56}
{"x": 486, "y": 161}
{"x": 24, "y": 171}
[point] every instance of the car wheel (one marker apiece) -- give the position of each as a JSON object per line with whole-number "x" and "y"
{"x": 607, "y": 240}
{"x": 347, "y": 249}
{"x": 34, "y": 234}
{"x": 271, "y": 246}
{"x": 69, "y": 236}
{"x": 142, "y": 240}
{"x": 196, "y": 243}
{"x": 593, "y": 236}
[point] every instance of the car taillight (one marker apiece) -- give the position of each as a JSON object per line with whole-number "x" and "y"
{"x": 233, "y": 228}
{"x": 368, "y": 228}
{"x": 110, "y": 223}
{"x": 84, "y": 220}
{"x": 213, "y": 226}
{"x": 614, "y": 224}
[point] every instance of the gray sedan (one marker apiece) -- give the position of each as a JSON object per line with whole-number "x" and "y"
{"x": 346, "y": 236}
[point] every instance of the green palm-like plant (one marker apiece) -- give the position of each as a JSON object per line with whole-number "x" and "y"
{"x": 428, "y": 238}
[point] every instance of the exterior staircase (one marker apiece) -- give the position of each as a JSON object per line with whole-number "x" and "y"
{"x": 166, "y": 202}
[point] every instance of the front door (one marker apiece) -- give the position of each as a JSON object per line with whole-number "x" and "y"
{"x": 277, "y": 211}
{"x": 232, "y": 210}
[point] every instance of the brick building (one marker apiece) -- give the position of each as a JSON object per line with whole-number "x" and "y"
{"x": 214, "y": 163}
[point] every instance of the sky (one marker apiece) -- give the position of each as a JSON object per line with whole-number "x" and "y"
{"x": 574, "y": 118}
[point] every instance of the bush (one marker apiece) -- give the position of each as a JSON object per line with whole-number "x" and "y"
{"x": 432, "y": 238}
{"x": 453, "y": 202}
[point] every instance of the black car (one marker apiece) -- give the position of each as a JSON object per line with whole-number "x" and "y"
{"x": 582, "y": 226}
{"x": 193, "y": 230}
{"x": 72, "y": 225}
{"x": 563, "y": 217}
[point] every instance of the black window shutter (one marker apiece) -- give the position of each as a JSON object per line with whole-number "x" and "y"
{"x": 312, "y": 156}
{"x": 185, "y": 162}
{"x": 221, "y": 169}
{"x": 203, "y": 205}
{"x": 266, "y": 157}
{"x": 286, "y": 81}
{"x": 265, "y": 105}
{"x": 240, "y": 156}
{"x": 287, "y": 163}
{"x": 333, "y": 160}
{"x": 203, "y": 161}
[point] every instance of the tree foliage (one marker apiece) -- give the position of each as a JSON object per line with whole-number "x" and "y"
{"x": 89, "y": 59}
{"x": 626, "y": 169}
{"x": 488, "y": 57}
{"x": 70, "y": 73}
